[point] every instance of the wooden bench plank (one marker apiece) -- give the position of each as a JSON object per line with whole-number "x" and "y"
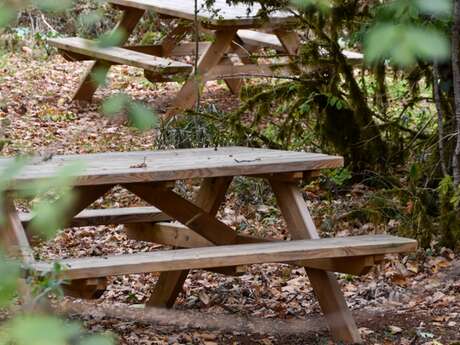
{"x": 168, "y": 165}
{"x": 262, "y": 39}
{"x": 229, "y": 255}
{"x": 107, "y": 216}
{"x": 178, "y": 235}
{"x": 119, "y": 55}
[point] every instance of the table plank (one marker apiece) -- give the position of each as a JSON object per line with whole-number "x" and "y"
{"x": 235, "y": 15}
{"x": 152, "y": 166}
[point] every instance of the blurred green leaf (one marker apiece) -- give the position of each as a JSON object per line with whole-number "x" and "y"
{"x": 53, "y": 5}
{"x": 115, "y": 104}
{"x": 7, "y": 14}
{"x": 38, "y": 330}
{"x": 112, "y": 38}
{"x": 403, "y": 44}
{"x": 10, "y": 272}
{"x": 99, "y": 75}
{"x": 11, "y": 170}
{"x": 142, "y": 117}
{"x": 50, "y": 214}
{"x": 437, "y": 8}
{"x": 90, "y": 18}
{"x": 322, "y": 5}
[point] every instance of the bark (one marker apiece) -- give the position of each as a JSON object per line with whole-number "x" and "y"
{"x": 456, "y": 77}
{"x": 437, "y": 99}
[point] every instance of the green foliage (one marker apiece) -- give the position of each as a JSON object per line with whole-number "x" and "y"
{"x": 140, "y": 116}
{"x": 195, "y": 130}
{"x": 305, "y": 5}
{"x": 112, "y": 38}
{"x": 9, "y": 271}
{"x": 30, "y": 328}
{"x": 7, "y": 14}
{"x": 423, "y": 213}
{"x": 402, "y": 35}
{"x": 405, "y": 44}
{"x": 46, "y": 330}
{"x": 339, "y": 176}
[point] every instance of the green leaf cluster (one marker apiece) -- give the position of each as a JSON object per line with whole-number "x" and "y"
{"x": 140, "y": 116}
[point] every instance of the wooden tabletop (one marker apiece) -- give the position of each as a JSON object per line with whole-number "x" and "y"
{"x": 226, "y": 15}
{"x": 168, "y": 165}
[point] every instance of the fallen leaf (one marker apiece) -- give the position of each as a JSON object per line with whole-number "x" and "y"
{"x": 395, "y": 329}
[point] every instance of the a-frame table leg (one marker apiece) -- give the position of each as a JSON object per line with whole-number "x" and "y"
{"x": 14, "y": 242}
{"x": 291, "y": 43}
{"x": 188, "y": 94}
{"x": 325, "y": 285}
{"x": 209, "y": 198}
{"x": 13, "y": 238}
{"x": 99, "y": 69}
{"x": 84, "y": 197}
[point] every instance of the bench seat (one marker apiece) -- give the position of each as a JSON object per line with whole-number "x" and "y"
{"x": 266, "y": 40}
{"x": 108, "y": 216}
{"x": 222, "y": 256}
{"x": 83, "y": 49}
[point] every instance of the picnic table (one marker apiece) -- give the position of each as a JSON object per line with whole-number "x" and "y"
{"x": 227, "y": 57}
{"x": 202, "y": 241}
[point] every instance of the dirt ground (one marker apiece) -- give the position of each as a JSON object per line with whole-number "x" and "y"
{"x": 411, "y": 299}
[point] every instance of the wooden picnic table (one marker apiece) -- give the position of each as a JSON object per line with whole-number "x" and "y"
{"x": 228, "y": 57}
{"x": 174, "y": 220}
{"x": 160, "y": 61}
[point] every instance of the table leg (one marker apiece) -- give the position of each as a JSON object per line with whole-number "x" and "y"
{"x": 189, "y": 92}
{"x": 209, "y": 198}
{"x": 291, "y": 43}
{"x": 13, "y": 238}
{"x": 99, "y": 69}
{"x": 84, "y": 196}
{"x": 14, "y": 242}
{"x": 325, "y": 285}
{"x": 235, "y": 84}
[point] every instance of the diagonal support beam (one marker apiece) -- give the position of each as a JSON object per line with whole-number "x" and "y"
{"x": 189, "y": 214}
{"x": 206, "y": 204}
{"x": 190, "y": 91}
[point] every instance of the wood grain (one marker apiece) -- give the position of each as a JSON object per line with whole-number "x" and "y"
{"x": 325, "y": 285}
{"x": 176, "y": 234}
{"x": 116, "y": 168}
{"x": 123, "y": 215}
{"x": 208, "y": 199}
{"x": 120, "y": 55}
{"x": 13, "y": 239}
{"x": 90, "y": 82}
{"x": 235, "y": 15}
{"x": 189, "y": 92}
{"x": 220, "y": 256}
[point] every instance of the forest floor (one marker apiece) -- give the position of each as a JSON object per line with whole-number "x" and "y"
{"x": 407, "y": 300}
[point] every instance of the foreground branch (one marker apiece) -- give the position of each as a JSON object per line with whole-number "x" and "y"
{"x": 456, "y": 77}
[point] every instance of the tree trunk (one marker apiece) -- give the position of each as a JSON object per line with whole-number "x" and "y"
{"x": 437, "y": 98}
{"x": 456, "y": 77}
